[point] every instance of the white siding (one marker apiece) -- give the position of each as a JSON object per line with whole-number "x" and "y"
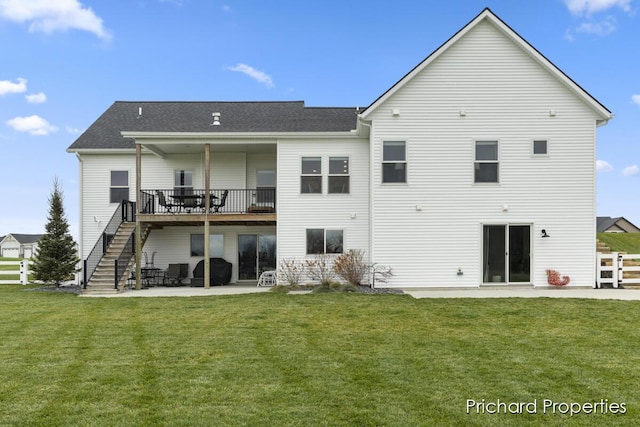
{"x": 228, "y": 171}
{"x": 259, "y": 161}
{"x": 96, "y": 211}
{"x": 297, "y": 212}
{"x": 506, "y": 97}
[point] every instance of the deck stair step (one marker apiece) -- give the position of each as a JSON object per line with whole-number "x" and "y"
{"x": 101, "y": 282}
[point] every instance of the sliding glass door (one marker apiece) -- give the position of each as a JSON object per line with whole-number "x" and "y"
{"x": 256, "y": 253}
{"x": 506, "y": 253}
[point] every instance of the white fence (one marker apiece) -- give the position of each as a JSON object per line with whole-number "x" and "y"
{"x": 21, "y": 269}
{"x": 618, "y": 269}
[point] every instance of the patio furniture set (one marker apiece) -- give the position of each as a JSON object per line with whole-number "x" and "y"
{"x": 191, "y": 201}
{"x": 219, "y": 273}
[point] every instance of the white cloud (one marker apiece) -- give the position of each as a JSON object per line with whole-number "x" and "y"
{"x": 7, "y": 86}
{"x": 71, "y": 129}
{"x": 603, "y": 166}
{"x": 34, "y": 125}
{"x": 50, "y": 16}
{"x": 579, "y": 7}
{"x": 635, "y": 99}
{"x": 257, "y": 75}
{"x": 36, "y": 98}
{"x": 630, "y": 170}
{"x": 601, "y": 28}
{"x": 226, "y": 8}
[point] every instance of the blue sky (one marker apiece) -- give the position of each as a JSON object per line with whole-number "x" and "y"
{"x": 63, "y": 62}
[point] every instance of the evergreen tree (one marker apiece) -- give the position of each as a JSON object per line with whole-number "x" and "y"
{"x": 56, "y": 258}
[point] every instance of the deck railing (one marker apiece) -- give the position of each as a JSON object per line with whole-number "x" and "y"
{"x": 126, "y": 212}
{"x": 124, "y": 258}
{"x": 192, "y": 201}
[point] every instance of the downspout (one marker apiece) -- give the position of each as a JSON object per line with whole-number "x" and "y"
{"x": 80, "y": 207}
{"x": 371, "y": 211}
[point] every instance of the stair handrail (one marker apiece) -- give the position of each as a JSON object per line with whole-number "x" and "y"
{"x": 123, "y": 259}
{"x": 125, "y": 212}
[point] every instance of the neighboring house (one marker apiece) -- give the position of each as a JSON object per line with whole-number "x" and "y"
{"x": 606, "y": 224}
{"x": 19, "y": 245}
{"x": 485, "y": 135}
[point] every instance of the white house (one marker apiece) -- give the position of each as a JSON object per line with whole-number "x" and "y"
{"x": 477, "y": 167}
{"x": 15, "y": 245}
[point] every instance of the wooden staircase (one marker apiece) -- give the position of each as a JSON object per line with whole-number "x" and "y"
{"x": 102, "y": 281}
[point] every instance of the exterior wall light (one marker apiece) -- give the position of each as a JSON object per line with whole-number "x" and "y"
{"x": 544, "y": 233}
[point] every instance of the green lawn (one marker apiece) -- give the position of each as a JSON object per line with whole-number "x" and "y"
{"x": 621, "y": 242}
{"x": 274, "y": 359}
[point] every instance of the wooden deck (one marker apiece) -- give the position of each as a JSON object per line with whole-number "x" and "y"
{"x": 190, "y": 219}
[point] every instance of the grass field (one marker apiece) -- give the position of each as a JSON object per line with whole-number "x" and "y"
{"x": 311, "y": 360}
{"x": 621, "y": 242}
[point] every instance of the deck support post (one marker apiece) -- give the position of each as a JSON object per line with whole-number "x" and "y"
{"x": 138, "y": 238}
{"x": 207, "y": 225}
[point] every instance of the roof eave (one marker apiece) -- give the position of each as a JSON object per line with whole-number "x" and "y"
{"x": 238, "y": 135}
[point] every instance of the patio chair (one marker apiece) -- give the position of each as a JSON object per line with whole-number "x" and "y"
{"x": 268, "y": 278}
{"x": 162, "y": 201}
{"x": 148, "y": 264}
{"x": 175, "y": 274}
{"x": 222, "y": 201}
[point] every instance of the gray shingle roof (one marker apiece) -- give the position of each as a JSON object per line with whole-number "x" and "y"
{"x": 197, "y": 117}
{"x": 27, "y": 238}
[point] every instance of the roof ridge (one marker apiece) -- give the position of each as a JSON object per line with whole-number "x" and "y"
{"x": 208, "y": 102}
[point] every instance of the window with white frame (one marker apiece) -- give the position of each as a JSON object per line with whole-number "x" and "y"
{"x": 311, "y": 177}
{"x": 119, "y": 189}
{"x": 540, "y": 147}
{"x": 216, "y": 245}
{"x": 486, "y": 162}
{"x": 183, "y": 182}
{"x": 338, "y": 175}
{"x": 394, "y": 161}
{"x": 324, "y": 241}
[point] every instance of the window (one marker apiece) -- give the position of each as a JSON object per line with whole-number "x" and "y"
{"x": 311, "y": 179}
{"x": 216, "y": 245}
{"x": 321, "y": 241}
{"x": 394, "y": 161}
{"x": 183, "y": 182}
{"x": 540, "y": 147}
{"x": 266, "y": 186}
{"x": 119, "y": 189}
{"x": 486, "y": 163}
{"x": 338, "y": 175}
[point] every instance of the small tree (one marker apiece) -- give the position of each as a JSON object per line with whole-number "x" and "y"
{"x": 56, "y": 258}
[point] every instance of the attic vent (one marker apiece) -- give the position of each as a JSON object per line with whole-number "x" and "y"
{"x": 216, "y": 119}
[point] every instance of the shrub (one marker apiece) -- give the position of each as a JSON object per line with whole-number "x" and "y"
{"x": 320, "y": 268}
{"x": 351, "y": 266}
{"x": 380, "y": 273}
{"x": 291, "y": 271}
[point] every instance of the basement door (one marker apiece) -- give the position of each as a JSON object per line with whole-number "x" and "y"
{"x": 256, "y": 253}
{"x": 506, "y": 253}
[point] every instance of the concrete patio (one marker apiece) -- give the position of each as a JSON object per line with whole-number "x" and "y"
{"x": 520, "y": 292}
